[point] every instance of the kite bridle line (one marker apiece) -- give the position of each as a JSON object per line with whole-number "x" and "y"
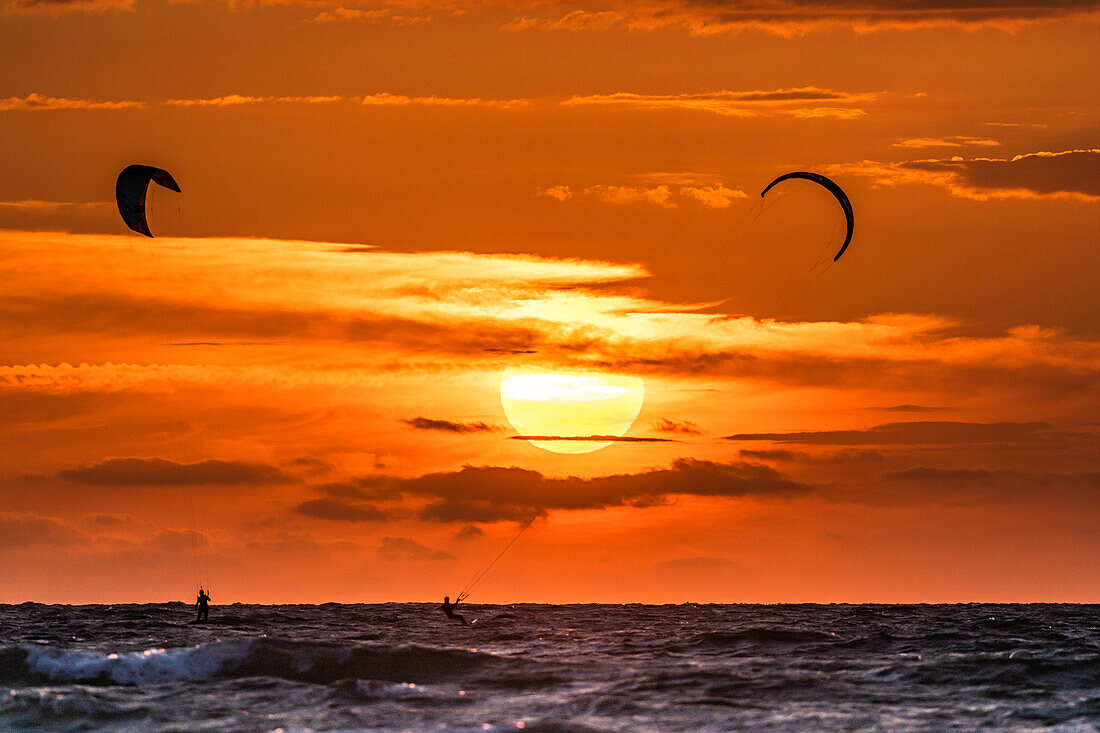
{"x": 822, "y": 265}
{"x": 199, "y": 556}
{"x": 476, "y": 580}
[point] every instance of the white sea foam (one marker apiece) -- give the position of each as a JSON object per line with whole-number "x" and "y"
{"x": 148, "y": 667}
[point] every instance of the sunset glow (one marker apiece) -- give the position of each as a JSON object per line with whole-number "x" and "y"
{"x": 437, "y": 268}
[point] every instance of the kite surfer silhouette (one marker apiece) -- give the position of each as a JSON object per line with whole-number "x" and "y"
{"x": 449, "y": 609}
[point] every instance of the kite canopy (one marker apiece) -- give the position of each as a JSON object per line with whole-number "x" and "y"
{"x": 130, "y": 190}
{"x": 834, "y": 189}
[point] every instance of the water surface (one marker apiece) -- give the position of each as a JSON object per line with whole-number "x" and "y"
{"x": 540, "y": 667}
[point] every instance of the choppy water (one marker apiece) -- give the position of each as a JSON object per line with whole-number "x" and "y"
{"x": 539, "y": 667}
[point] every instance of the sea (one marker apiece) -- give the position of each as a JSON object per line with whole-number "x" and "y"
{"x": 406, "y": 667}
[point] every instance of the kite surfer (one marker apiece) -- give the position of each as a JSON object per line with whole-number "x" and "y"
{"x": 449, "y": 609}
{"x": 202, "y": 605}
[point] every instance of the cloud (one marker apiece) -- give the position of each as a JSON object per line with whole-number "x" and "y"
{"x": 469, "y": 532}
{"x": 112, "y": 521}
{"x": 915, "y": 433}
{"x": 446, "y": 426}
{"x": 954, "y": 141}
{"x": 954, "y": 476}
{"x": 683, "y": 427}
{"x": 108, "y": 313}
{"x": 385, "y": 99}
{"x": 342, "y": 511}
{"x": 341, "y": 13}
{"x": 560, "y": 193}
{"x": 798, "y": 102}
{"x": 461, "y": 510}
{"x": 578, "y": 20}
{"x": 407, "y": 549}
{"x": 792, "y": 17}
{"x": 658, "y": 195}
{"x": 559, "y": 309}
{"x": 19, "y": 407}
{"x": 34, "y": 102}
{"x": 780, "y": 455}
{"x": 939, "y": 474}
{"x": 715, "y": 196}
{"x": 363, "y": 487}
{"x": 37, "y": 102}
{"x": 20, "y": 531}
{"x": 56, "y": 206}
{"x": 493, "y": 493}
{"x": 535, "y": 309}
{"x": 162, "y": 472}
{"x": 847, "y": 455}
{"x": 58, "y": 6}
{"x": 174, "y": 541}
{"x": 970, "y": 486}
{"x": 232, "y": 100}
{"x": 297, "y": 545}
{"x": 1071, "y": 174}
{"x": 706, "y": 17}
{"x": 309, "y": 466}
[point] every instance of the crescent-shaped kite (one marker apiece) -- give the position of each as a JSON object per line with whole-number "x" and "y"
{"x": 130, "y": 190}
{"x": 834, "y": 189}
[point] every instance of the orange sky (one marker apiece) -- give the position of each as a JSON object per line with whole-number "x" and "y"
{"x": 293, "y": 392}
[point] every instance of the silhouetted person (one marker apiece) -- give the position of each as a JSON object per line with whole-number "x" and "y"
{"x": 449, "y": 609}
{"x": 202, "y": 605}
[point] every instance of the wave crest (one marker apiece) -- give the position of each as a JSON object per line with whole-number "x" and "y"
{"x": 318, "y": 663}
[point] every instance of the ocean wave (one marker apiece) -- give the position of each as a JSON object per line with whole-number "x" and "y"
{"x": 762, "y": 636}
{"x": 319, "y": 663}
{"x": 1005, "y": 670}
{"x": 31, "y": 707}
{"x": 378, "y": 690}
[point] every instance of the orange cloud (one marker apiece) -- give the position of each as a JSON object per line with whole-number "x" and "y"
{"x": 408, "y": 549}
{"x": 916, "y": 433}
{"x": 59, "y": 6}
{"x": 791, "y": 17}
{"x": 560, "y": 193}
{"x": 1073, "y": 174}
{"x": 684, "y": 186}
{"x": 715, "y": 197}
{"x": 52, "y": 206}
{"x": 578, "y": 20}
{"x": 388, "y": 100}
{"x": 658, "y": 195}
{"x": 231, "y": 100}
{"x": 36, "y": 102}
{"x": 340, "y": 13}
{"x": 955, "y": 141}
{"x": 700, "y": 17}
{"x": 797, "y": 102}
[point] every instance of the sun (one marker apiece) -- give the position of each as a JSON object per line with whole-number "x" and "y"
{"x": 570, "y": 405}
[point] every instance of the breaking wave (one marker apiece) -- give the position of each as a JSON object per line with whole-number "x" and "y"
{"x": 318, "y": 663}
